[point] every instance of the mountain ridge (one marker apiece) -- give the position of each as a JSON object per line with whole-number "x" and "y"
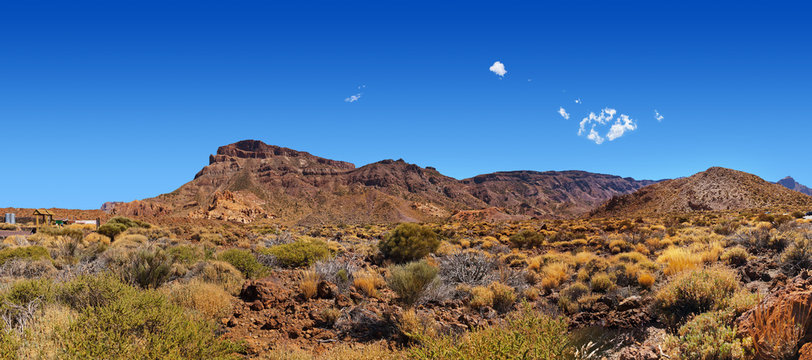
{"x": 250, "y": 180}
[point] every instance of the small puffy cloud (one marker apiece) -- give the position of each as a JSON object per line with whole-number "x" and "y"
{"x": 658, "y": 116}
{"x": 578, "y": 101}
{"x": 593, "y": 135}
{"x": 619, "y": 126}
{"x": 624, "y": 123}
{"x": 498, "y": 68}
{"x": 563, "y": 113}
{"x": 353, "y": 98}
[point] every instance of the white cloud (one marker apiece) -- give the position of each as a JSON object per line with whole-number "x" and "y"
{"x": 619, "y": 126}
{"x": 578, "y": 101}
{"x": 563, "y": 113}
{"x": 658, "y": 116}
{"x": 353, "y": 98}
{"x": 498, "y": 68}
{"x": 593, "y": 135}
{"x": 624, "y": 123}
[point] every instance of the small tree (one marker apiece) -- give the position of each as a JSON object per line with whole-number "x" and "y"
{"x": 409, "y": 242}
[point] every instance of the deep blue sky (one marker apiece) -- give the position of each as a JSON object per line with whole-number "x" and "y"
{"x": 122, "y": 100}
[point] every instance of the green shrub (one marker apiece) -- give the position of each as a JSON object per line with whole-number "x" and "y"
{"x": 24, "y": 291}
{"x": 218, "y": 272}
{"x": 111, "y": 230}
{"x": 186, "y": 254}
{"x": 526, "y": 334}
{"x": 118, "y": 225}
{"x": 798, "y": 255}
{"x": 244, "y": 261}
{"x": 409, "y": 242}
{"x": 695, "y": 291}
{"x": 34, "y": 252}
{"x": 410, "y": 281}
{"x": 9, "y": 344}
{"x": 149, "y": 267}
{"x": 300, "y": 253}
{"x": 142, "y": 325}
{"x": 602, "y": 282}
{"x": 707, "y": 337}
{"x": 89, "y": 291}
{"x": 527, "y": 239}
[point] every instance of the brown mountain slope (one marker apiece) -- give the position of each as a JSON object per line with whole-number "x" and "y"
{"x": 790, "y": 183}
{"x": 714, "y": 189}
{"x": 550, "y": 193}
{"x": 250, "y": 180}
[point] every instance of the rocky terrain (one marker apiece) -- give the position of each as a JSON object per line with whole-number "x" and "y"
{"x": 714, "y": 189}
{"x": 269, "y": 181}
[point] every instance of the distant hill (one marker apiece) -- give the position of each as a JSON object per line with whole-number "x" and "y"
{"x": 714, "y": 189}
{"x": 791, "y": 184}
{"x": 250, "y": 180}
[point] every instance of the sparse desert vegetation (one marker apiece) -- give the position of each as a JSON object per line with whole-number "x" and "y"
{"x": 420, "y": 291}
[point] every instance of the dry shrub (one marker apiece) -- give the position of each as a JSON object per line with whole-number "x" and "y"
{"x": 645, "y": 279}
{"x": 41, "y": 340}
{"x": 218, "y": 272}
{"x": 602, "y": 282}
{"x": 97, "y": 238}
{"x": 415, "y": 327}
{"x": 554, "y": 274}
{"x": 481, "y": 297}
{"x": 531, "y": 294}
{"x": 28, "y": 269}
{"x": 777, "y": 331}
{"x": 503, "y": 296}
{"x": 677, "y": 259}
{"x": 368, "y": 282}
{"x": 309, "y": 284}
{"x": 695, "y": 291}
{"x": 210, "y": 300}
{"x": 735, "y": 256}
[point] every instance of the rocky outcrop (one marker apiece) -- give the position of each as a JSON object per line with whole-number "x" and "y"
{"x": 234, "y": 207}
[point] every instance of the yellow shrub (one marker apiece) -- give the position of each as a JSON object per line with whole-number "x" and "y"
{"x": 368, "y": 282}
{"x": 677, "y": 260}
{"x": 41, "y": 340}
{"x": 645, "y": 279}
{"x": 210, "y": 300}
{"x": 481, "y": 297}
{"x": 97, "y": 238}
{"x": 309, "y": 283}
{"x": 554, "y": 274}
{"x": 531, "y": 294}
{"x": 584, "y": 257}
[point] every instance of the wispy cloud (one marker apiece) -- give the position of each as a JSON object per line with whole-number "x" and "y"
{"x": 353, "y": 98}
{"x": 498, "y": 68}
{"x": 619, "y": 126}
{"x": 563, "y": 113}
{"x": 658, "y": 116}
